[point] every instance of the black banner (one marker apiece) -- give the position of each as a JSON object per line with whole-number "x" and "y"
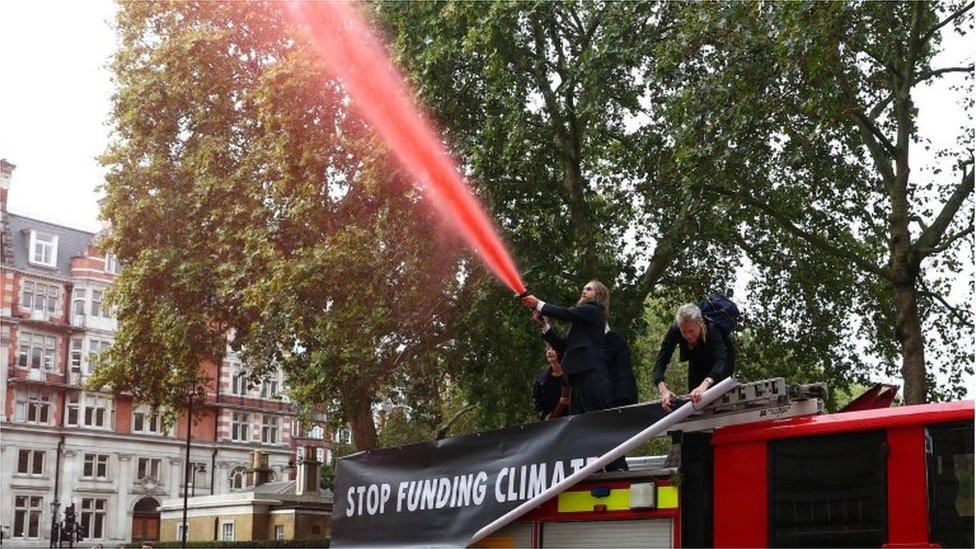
{"x": 441, "y": 493}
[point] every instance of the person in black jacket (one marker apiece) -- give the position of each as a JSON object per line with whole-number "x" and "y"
{"x": 702, "y": 347}
{"x": 620, "y": 370}
{"x": 550, "y": 389}
{"x": 581, "y": 350}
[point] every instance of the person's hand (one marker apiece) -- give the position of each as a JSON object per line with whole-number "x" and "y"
{"x": 697, "y": 392}
{"x": 530, "y": 301}
{"x": 537, "y": 316}
{"x": 564, "y": 401}
{"x": 666, "y": 397}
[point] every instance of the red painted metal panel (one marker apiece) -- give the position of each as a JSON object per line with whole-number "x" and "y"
{"x": 908, "y": 514}
{"x": 864, "y": 420}
{"x": 741, "y": 495}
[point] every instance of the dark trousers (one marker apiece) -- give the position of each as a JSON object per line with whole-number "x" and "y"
{"x": 589, "y": 391}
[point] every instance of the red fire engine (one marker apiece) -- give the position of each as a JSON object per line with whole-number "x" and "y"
{"x": 869, "y": 477}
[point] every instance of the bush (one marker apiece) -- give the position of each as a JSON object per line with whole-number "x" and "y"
{"x": 255, "y": 543}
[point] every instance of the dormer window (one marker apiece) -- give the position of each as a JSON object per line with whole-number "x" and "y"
{"x": 111, "y": 264}
{"x": 43, "y": 249}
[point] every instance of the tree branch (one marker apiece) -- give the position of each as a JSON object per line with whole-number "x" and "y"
{"x": 929, "y": 33}
{"x": 955, "y": 311}
{"x": 667, "y": 246}
{"x": 931, "y": 236}
{"x": 947, "y": 243}
{"x": 938, "y": 72}
{"x": 816, "y": 240}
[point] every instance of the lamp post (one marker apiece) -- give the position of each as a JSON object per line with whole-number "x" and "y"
{"x": 55, "y": 531}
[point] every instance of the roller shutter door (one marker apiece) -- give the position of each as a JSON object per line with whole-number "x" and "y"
{"x": 516, "y": 535}
{"x": 621, "y": 534}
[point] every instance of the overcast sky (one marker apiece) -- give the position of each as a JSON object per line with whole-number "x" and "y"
{"x": 56, "y": 89}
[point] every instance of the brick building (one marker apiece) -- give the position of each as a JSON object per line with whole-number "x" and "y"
{"x": 109, "y": 456}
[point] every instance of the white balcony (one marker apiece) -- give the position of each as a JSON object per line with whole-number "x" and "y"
{"x": 78, "y": 320}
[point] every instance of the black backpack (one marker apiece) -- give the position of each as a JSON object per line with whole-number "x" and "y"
{"x": 721, "y": 312}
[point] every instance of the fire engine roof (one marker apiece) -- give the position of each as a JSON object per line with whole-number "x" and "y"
{"x": 862, "y": 420}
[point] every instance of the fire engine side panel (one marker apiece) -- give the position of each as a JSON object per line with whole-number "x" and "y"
{"x": 741, "y": 495}
{"x": 908, "y": 514}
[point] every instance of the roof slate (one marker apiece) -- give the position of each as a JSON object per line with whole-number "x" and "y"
{"x": 71, "y": 243}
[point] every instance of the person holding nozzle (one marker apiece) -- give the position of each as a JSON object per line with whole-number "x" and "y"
{"x": 550, "y": 389}
{"x": 702, "y": 347}
{"x": 583, "y": 360}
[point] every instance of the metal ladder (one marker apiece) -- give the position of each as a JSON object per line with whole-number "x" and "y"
{"x": 758, "y": 401}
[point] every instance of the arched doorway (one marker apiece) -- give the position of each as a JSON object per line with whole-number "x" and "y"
{"x": 145, "y": 520}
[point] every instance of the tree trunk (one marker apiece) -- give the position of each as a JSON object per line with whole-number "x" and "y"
{"x": 908, "y": 329}
{"x": 360, "y": 415}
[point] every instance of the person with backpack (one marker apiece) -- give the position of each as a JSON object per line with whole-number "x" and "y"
{"x": 704, "y": 347}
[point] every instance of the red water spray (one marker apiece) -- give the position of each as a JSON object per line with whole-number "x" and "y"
{"x": 381, "y": 95}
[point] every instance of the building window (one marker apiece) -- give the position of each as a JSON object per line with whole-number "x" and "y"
{"x": 240, "y": 424}
{"x": 269, "y": 429}
{"x": 97, "y": 412}
{"x": 238, "y": 381}
{"x": 279, "y": 532}
{"x": 34, "y": 407}
{"x": 238, "y": 478}
{"x": 27, "y": 516}
{"x": 269, "y": 387}
{"x": 44, "y": 249}
{"x": 179, "y": 531}
{"x": 78, "y": 302}
{"x": 149, "y": 468}
{"x": 30, "y": 462}
{"x": 95, "y": 346}
{"x": 96, "y": 466}
{"x": 343, "y": 435}
{"x": 44, "y": 298}
{"x": 74, "y": 357}
{"x": 227, "y": 531}
{"x": 37, "y": 351}
{"x": 147, "y": 422}
{"x": 93, "y": 518}
{"x": 111, "y": 264}
{"x": 72, "y": 407}
{"x": 96, "y": 303}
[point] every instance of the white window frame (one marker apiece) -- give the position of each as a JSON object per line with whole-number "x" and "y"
{"x": 240, "y": 426}
{"x": 94, "y": 345}
{"x": 90, "y": 406}
{"x": 32, "y": 510}
{"x": 79, "y": 301}
{"x": 40, "y": 296}
{"x": 95, "y": 305}
{"x": 279, "y": 531}
{"x": 52, "y": 260}
{"x": 72, "y": 406}
{"x": 39, "y": 402}
{"x": 152, "y": 421}
{"x": 99, "y": 466}
{"x": 149, "y": 468}
{"x": 238, "y": 478}
{"x": 179, "y": 530}
{"x": 111, "y": 263}
{"x": 31, "y": 345}
{"x": 238, "y": 380}
{"x": 91, "y": 509}
{"x": 270, "y": 429}
{"x": 224, "y": 532}
{"x": 35, "y": 461}
{"x": 76, "y": 354}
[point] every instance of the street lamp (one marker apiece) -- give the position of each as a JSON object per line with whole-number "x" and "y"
{"x": 55, "y": 534}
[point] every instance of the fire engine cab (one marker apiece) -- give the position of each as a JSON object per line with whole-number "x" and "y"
{"x": 765, "y": 468}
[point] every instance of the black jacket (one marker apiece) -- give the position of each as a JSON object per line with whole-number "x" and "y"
{"x": 546, "y": 392}
{"x": 582, "y": 349}
{"x": 620, "y": 370}
{"x": 712, "y": 359}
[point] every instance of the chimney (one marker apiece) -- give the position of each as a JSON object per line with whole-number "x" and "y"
{"x": 260, "y": 472}
{"x": 308, "y": 472}
{"x": 6, "y": 247}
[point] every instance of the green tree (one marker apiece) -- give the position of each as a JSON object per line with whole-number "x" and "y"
{"x": 245, "y": 201}
{"x": 553, "y": 108}
{"x": 854, "y": 239}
